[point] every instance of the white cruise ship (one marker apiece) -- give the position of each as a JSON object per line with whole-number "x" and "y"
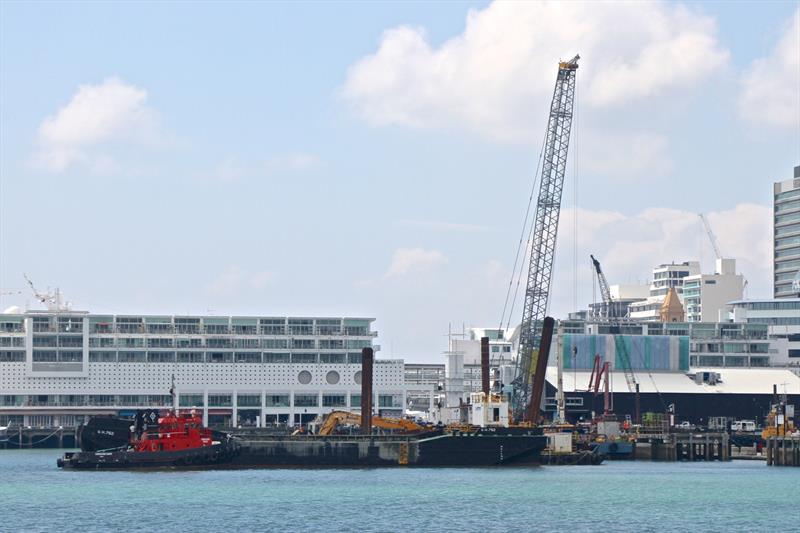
{"x": 58, "y": 367}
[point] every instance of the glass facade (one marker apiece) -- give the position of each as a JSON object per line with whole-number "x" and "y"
{"x": 786, "y": 237}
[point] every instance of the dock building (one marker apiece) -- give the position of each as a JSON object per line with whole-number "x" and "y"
{"x": 58, "y": 367}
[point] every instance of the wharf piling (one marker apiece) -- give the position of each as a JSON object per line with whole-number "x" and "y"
{"x": 19, "y": 437}
{"x": 684, "y": 447}
{"x": 783, "y": 451}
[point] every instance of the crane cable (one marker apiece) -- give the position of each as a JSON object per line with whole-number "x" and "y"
{"x": 519, "y": 245}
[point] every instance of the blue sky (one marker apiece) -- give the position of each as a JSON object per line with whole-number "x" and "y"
{"x": 375, "y": 158}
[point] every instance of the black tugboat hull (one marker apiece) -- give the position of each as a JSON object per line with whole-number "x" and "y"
{"x": 216, "y": 455}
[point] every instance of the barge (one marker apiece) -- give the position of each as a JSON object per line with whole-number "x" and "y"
{"x": 170, "y": 447}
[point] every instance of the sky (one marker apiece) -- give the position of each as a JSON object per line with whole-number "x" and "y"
{"x": 376, "y": 158}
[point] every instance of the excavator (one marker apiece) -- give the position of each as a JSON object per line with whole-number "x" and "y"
{"x": 337, "y": 418}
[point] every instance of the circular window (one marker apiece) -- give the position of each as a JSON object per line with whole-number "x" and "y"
{"x": 332, "y": 377}
{"x": 304, "y": 377}
{"x": 357, "y": 377}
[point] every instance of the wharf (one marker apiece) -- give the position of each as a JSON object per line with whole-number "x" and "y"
{"x": 20, "y": 437}
{"x": 683, "y": 447}
{"x": 783, "y": 451}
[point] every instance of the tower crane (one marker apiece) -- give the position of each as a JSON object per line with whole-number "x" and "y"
{"x": 605, "y": 291}
{"x": 543, "y": 236}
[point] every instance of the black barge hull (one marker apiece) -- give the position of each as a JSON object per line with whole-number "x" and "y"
{"x": 434, "y": 449}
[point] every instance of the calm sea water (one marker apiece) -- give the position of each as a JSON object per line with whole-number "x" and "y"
{"x": 616, "y": 496}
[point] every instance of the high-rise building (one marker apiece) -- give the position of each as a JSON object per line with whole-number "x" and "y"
{"x": 706, "y": 295}
{"x": 786, "y": 243}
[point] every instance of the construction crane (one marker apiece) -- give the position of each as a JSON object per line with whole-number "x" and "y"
{"x": 718, "y": 254}
{"x": 605, "y": 291}
{"x": 619, "y": 343}
{"x": 545, "y": 229}
{"x": 52, "y": 300}
{"x": 711, "y": 236}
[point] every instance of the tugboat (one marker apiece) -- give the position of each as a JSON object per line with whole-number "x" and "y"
{"x": 176, "y": 441}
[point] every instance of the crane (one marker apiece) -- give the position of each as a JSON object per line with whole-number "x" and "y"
{"x": 52, "y": 300}
{"x": 605, "y": 291}
{"x": 619, "y": 343}
{"x": 718, "y": 254}
{"x": 711, "y": 236}
{"x": 545, "y": 229}
{"x": 42, "y": 297}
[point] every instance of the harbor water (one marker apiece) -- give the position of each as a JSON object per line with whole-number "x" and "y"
{"x": 615, "y": 496}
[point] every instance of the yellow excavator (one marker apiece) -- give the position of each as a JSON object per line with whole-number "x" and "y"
{"x": 337, "y": 418}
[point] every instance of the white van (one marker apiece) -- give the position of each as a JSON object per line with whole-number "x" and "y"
{"x": 743, "y": 425}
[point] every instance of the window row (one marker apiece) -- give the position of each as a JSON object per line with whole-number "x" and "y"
{"x": 111, "y": 356}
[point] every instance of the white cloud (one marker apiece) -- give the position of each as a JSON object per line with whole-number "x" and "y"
{"x": 234, "y": 279}
{"x": 496, "y": 77}
{"x": 97, "y": 115}
{"x": 771, "y": 86}
{"x": 629, "y": 246}
{"x": 411, "y": 260}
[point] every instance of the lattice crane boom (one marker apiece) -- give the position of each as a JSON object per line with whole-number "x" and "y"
{"x": 605, "y": 290}
{"x": 543, "y": 237}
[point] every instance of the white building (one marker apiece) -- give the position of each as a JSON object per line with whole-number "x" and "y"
{"x": 664, "y": 276}
{"x": 705, "y": 296}
{"x": 786, "y": 236}
{"x": 57, "y": 367}
{"x": 782, "y": 317}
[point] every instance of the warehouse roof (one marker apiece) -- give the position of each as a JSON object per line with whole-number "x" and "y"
{"x": 731, "y": 381}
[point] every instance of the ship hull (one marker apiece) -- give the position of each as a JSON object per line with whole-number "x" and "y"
{"x": 434, "y": 449}
{"x": 218, "y": 454}
{"x": 437, "y": 448}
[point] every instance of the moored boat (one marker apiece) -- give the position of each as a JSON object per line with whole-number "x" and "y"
{"x": 176, "y": 441}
